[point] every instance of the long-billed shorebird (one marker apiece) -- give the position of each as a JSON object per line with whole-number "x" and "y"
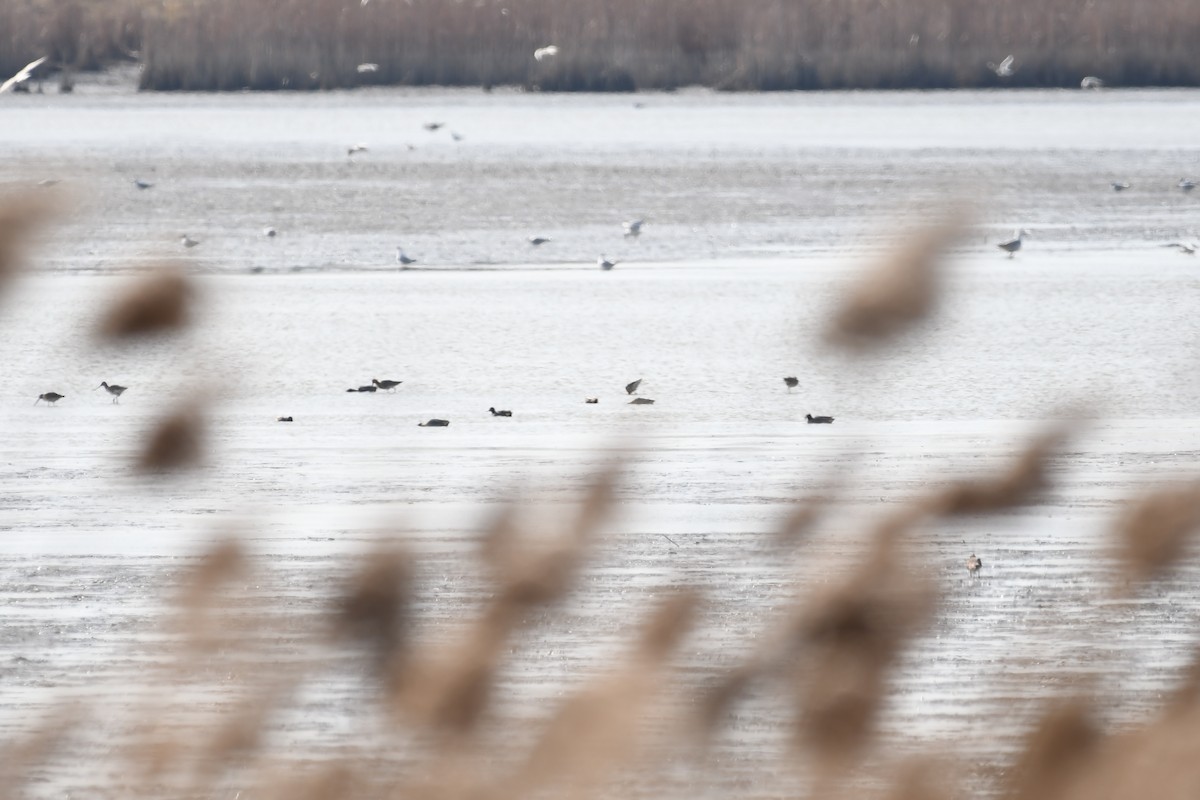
{"x": 605, "y": 264}
{"x": 1012, "y": 245}
{"x": 792, "y": 383}
{"x": 22, "y": 76}
{"x": 402, "y": 259}
{"x": 633, "y": 227}
{"x": 1004, "y": 69}
{"x": 49, "y": 397}
{"x": 113, "y": 389}
{"x": 386, "y": 385}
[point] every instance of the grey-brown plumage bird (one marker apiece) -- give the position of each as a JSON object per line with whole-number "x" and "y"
{"x": 631, "y": 388}
{"x": 641, "y": 401}
{"x": 792, "y": 383}
{"x": 49, "y": 397}
{"x": 818, "y": 420}
{"x": 434, "y": 423}
{"x": 386, "y": 385}
{"x": 496, "y": 413}
{"x": 113, "y": 389}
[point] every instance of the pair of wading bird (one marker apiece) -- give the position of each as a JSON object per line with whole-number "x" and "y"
{"x": 53, "y": 397}
{"x": 792, "y": 383}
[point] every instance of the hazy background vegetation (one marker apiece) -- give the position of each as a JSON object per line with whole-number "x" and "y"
{"x": 611, "y": 44}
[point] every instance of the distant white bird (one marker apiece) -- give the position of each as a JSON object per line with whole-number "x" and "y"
{"x": 1014, "y": 244}
{"x": 355, "y": 148}
{"x": 1187, "y": 248}
{"x": 634, "y": 227}
{"x": 542, "y": 53}
{"x": 367, "y": 67}
{"x": 22, "y": 76}
{"x": 605, "y": 264}
{"x": 270, "y": 233}
{"x": 1119, "y": 186}
{"x": 1004, "y": 69}
{"x": 1091, "y": 82}
{"x": 188, "y": 241}
{"x": 402, "y": 259}
{"x": 141, "y": 184}
{"x": 537, "y": 240}
{"x": 1186, "y": 184}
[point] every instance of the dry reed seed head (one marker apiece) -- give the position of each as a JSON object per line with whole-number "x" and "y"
{"x": 376, "y": 604}
{"x": 717, "y": 701}
{"x": 159, "y": 302}
{"x": 898, "y": 291}
{"x": 18, "y": 756}
{"x": 1153, "y": 532}
{"x": 923, "y": 778}
{"x": 331, "y": 781}
{"x": 668, "y": 624}
{"x": 1018, "y": 486}
{"x": 175, "y": 443}
{"x": 21, "y": 214}
{"x": 1055, "y": 752}
{"x": 840, "y": 702}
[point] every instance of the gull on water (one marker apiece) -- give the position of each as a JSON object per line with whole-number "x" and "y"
{"x": 537, "y": 240}
{"x": 367, "y": 67}
{"x": 641, "y": 401}
{"x": 1119, "y": 186}
{"x": 1186, "y": 184}
{"x": 1012, "y": 245}
{"x": 113, "y": 389}
{"x": 1091, "y": 82}
{"x": 1004, "y": 69}
{"x": 542, "y": 53}
{"x": 818, "y": 420}
{"x": 402, "y": 259}
{"x": 633, "y": 227}
{"x": 49, "y": 397}
{"x": 355, "y": 148}
{"x": 188, "y": 241}
{"x": 141, "y": 184}
{"x": 1187, "y": 248}
{"x": 22, "y": 76}
{"x": 605, "y": 264}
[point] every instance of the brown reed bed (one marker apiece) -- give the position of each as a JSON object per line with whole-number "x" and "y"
{"x": 613, "y": 45}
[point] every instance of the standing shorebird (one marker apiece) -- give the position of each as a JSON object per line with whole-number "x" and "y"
{"x": 631, "y": 388}
{"x": 1004, "y": 69}
{"x": 188, "y": 241}
{"x": 113, "y": 389}
{"x": 386, "y": 385}
{"x": 633, "y": 227}
{"x": 974, "y": 564}
{"x": 49, "y": 397}
{"x": 605, "y": 264}
{"x": 818, "y": 420}
{"x": 402, "y": 259}
{"x": 355, "y": 148}
{"x": 792, "y": 383}
{"x": 1012, "y": 245}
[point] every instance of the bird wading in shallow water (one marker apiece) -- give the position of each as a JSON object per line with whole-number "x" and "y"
{"x": 818, "y": 420}
{"x": 496, "y": 413}
{"x": 1011, "y": 246}
{"x": 792, "y": 383}
{"x": 386, "y": 385}
{"x": 49, "y": 397}
{"x": 113, "y": 389}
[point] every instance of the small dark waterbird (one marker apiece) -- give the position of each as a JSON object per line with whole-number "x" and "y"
{"x": 641, "y": 401}
{"x": 1012, "y": 245}
{"x": 631, "y": 388}
{"x": 49, "y": 397}
{"x": 113, "y": 389}
{"x": 818, "y": 420}
{"x": 496, "y": 413}
{"x": 362, "y": 389}
{"x": 434, "y": 423}
{"x": 386, "y": 385}
{"x": 792, "y": 383}
{"x": 283, "y": 419}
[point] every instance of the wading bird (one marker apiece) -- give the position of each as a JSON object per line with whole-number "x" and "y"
{"x": 113, "y": 389}
{"x": 631, "y": 388}
{"x": 538, "y": 240}
{"x": 1119, "y": 186}
{"x": 402, "y": 259}
{"x": 792, "y": 383}
{"x": 1187, "y": 248}
{"x": 605, "y": 264}
{"x": 1004, "y": 69}
{"x": 22, "y": 76}
{"x": 283, "y": 419}
{"x": 591, "y": 400}
{"x": 367, "y": 68}
{"x": 1012, "y": 245}
{"x": 818, "y": 420}
{"x": 974, "y": 564}
{"x": 188, "y": 241}
{"x": 386, "y": 385}
{"x": 1186, "y": 185}
{"x": 355, "y": 148}
{"x": 633, "y": 227}
{"x": 362, "y": 389}
{"x": 141, "y": 184}
{"x": 49, "y": 397}
{"x": 433, "y": 126}
{"x": 496, "y": 413}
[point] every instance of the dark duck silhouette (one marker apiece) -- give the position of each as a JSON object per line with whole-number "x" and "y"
{"x": 818, "y": 420}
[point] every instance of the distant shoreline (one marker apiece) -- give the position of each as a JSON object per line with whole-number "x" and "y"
{"x": 612, "y": 45}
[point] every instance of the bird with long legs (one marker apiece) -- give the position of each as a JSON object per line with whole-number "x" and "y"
{"x": 113, "y": 389}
